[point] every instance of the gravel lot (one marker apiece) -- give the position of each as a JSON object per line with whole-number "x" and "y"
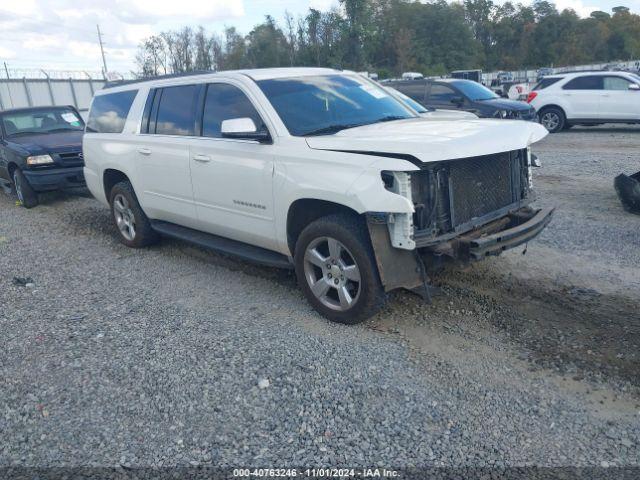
{"x": 176, "y": 356}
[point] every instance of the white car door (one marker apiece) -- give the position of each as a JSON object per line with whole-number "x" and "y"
{"x": 163, "y": 162}
{"x": 582, "y": 96}
{"x": 618, "y": 101}
{"x": 232, "y": 178}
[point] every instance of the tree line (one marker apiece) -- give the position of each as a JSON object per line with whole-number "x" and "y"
{"x": 393, "y": 36}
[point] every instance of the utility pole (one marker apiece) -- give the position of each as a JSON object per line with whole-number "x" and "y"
{"x": 104, "y": 60}
{"x": 6, "y": 69}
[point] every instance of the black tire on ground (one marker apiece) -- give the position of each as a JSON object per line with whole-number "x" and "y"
{"x": 552, "y": 118}
{"x": 351, "y": 231}
{"x": 26, "y": 194}
{"x": 143, "y": 234}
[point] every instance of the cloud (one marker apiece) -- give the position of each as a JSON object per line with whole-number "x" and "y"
{"x": 6, "y": 53}
{"x": 34, "y": 33}
{"x": 576, "y": 5}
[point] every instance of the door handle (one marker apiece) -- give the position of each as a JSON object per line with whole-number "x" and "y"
{"x": 144, "y": 151}
{"x": 201, "y": 158}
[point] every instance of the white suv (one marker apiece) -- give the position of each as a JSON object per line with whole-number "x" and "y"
{"x": 586, "y": 98}
{"x": 313, "y": 169}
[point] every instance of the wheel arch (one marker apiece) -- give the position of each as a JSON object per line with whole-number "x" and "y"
{"x": 553, "y": 105}
{"x": 303, "y": 211}
{"x": 111, "y": 177}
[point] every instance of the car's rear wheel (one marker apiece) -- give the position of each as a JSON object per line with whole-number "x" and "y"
{"x": 553, "y": 119}
{"x": 132, "y": 223}
{"x": 336, "y": 269}
{"x": 26, "y": 194}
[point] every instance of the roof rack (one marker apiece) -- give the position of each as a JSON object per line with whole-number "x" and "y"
{"x": 118, "y": 83}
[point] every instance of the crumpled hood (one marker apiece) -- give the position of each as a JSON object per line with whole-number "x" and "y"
{"x": 432, "y": 140}
{"x": 56, "y": 142}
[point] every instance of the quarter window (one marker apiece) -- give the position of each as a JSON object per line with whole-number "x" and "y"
{"x": 616, "y": 83}
{"x": 176, "y": 110}
{"x": 224, "y": 102}
{"x": 109, "y": 112}
{"x": 592, "y": 82}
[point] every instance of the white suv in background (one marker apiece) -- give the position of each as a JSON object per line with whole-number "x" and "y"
{"x": 586, "y": 98}
{"x": 316, "y": 170}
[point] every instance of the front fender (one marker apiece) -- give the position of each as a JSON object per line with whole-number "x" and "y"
{"x": 355, "y": 183}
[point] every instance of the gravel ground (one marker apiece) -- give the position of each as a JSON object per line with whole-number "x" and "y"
{"x": 177, "y": 356}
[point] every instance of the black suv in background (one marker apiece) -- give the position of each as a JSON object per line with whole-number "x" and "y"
{"x": 457, "y": 94}
{"x": 41, "y": 150}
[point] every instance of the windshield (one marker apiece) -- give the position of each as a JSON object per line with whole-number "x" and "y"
{"x": 321, "y": 105}
{"x": 474, "y": 91}
{"x": 44, "y": 120}
{"x": 408, "y": 100}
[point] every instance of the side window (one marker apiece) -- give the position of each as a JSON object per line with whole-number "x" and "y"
{"x": 109, "y": 112}
{"x": 546, "y": 82}
{"x": 592, "y": 82}
{"x": 441, "y": 93}
{"x": 176, "y": 111}
{"x": 415, "y": 90}
{"x": 616, "y": 83}
{"x": 224, "y": 102}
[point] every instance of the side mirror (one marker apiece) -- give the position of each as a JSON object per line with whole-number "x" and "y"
{"x": 457, "y": 101}
{"x": 634, "y": 86}
{"x": 243, "y": 129}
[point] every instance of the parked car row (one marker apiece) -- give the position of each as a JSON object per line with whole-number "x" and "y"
{"x": 351, "y": 185}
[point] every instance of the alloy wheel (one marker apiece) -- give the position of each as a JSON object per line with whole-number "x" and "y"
{"x": 550, "y": 120}
{"x": 125, "y": 219}
{"x": 332, "y": 273}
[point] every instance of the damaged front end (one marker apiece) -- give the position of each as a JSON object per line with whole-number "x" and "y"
{"x": 464, "y": 210}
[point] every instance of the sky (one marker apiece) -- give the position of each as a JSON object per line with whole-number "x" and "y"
{"x": 61, "y": 34}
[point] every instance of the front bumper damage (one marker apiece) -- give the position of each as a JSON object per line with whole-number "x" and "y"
{"x": 400, "y": 268}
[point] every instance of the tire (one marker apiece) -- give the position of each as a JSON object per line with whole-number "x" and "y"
{"x": 131, "y": 222}
{"x": 553, "y": 119}
{"x": 326, "y": 253}
{"x": 26, "y": 194}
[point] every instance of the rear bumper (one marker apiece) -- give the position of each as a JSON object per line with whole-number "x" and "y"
{"x": 527, "y": 226}
{"x": 55, "y": 179}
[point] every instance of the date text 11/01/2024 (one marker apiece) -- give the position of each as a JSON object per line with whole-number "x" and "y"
{"x": 316, "y": 472}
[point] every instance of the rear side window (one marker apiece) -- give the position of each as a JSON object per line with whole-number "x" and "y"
{"x": 441, "y": 94}
{"x": 224, "y": 102}
{"x": 109, "y": 112}
{"x": 176, "y": 110}
{"x": 546, "y": 82}
{"x": 592, "y": 82}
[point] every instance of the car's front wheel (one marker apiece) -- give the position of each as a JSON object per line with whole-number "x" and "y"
{"x": 553, "y": 119}
{"x": 336, "y": 269}
{"x": 26, "y": 194}
{"x": 132, "y": 223}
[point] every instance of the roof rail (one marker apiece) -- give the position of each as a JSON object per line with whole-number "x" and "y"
{"x": 118, "y": 83}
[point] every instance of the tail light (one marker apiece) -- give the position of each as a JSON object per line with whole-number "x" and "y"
{"x": 531, "y": 96}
